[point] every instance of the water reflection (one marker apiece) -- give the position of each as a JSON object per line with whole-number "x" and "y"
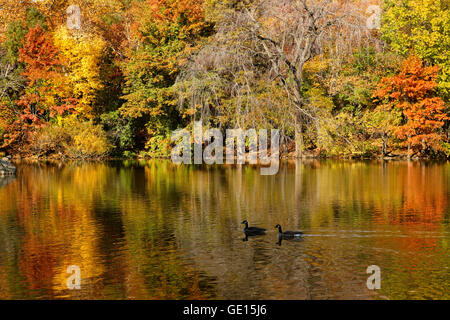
{"x": 154, "y": 230}
{"x": 5, "y": 180}
{"x": 247, "y": 236}
{"x": 291, "y": 239}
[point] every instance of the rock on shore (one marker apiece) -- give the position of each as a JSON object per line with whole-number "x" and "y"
{"x": 6, "y": 167}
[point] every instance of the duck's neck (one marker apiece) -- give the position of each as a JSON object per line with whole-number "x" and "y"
{"x": 279, "y": 230}
{"x": 246, "y": 225}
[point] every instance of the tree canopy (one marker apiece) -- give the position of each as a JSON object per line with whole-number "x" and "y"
{"x": 132, "y": 71}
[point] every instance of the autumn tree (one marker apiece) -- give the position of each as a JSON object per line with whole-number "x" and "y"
{"x": 423, "y": 27}
{"x": 272, "y": 42}
{"x": 413, "y": 92}
{"x": 37, "y": 104}
{"x": 81, "y": 53}
{"x": 164, "y": 33}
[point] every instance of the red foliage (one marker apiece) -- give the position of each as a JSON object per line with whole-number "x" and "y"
{"x": 33, "y": 109}
{"x": 413, "y": 92}
{"x": 69, "y": 106}
{"x": 39, "y": 54}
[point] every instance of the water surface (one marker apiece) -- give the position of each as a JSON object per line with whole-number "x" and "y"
{"x": 154, "y": 230}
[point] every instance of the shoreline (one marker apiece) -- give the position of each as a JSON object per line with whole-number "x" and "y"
{"x": 402, "y": 158}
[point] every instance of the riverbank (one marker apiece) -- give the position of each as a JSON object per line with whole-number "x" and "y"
{"x": 284, "y": 158}
{"x": 398, "y": 156}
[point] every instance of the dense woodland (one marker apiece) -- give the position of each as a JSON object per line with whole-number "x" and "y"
{"x": 135, "y": 70}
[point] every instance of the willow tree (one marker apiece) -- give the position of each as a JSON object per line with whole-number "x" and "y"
{"x": 269, "y": 42}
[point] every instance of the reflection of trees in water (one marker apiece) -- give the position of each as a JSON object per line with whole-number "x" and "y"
{"x": 156, "y": 230}
{"x": 317, "y": 195}
{"x": 407, "y": 201}
{"x": 74, "y": 216}
{"x": 5, "y": 180}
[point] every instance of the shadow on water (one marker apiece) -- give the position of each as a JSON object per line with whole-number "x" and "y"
{"x": 281, "y": 239}
{"x": 252, "y": 235}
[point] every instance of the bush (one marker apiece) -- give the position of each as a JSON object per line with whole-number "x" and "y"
{"x": 129, "y": 154}
{"x": 158, "y": 147}
{"x": 445, "y": 147}
{"x": 73, "y": 140}
{"x": 87, "y": 140}
{"x": 120, "y": 130}
{"x": 49, "y": 140}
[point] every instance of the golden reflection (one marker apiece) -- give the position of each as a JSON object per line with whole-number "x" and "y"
{"x": 155, "y": 230}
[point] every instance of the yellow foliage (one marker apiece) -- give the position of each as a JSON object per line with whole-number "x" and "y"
{"x": 318, "y": 64}
{"x": 72, "y": 139}
{"x": 82, "y": 54}
{"x": 88, "y": 140}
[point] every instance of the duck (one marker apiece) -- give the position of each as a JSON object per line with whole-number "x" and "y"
{"x": 288, "y": 234}
{"x": 252, "y": 230}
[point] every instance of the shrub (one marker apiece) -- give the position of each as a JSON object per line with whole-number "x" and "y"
{"x": 120, "y": 130}
{"x": 158, "y": 147}
{"x": 73, "y": 140}
{"x": 87, "y": 140}
{"x": 49, "y": 140}
{"x": 129, "y": 154}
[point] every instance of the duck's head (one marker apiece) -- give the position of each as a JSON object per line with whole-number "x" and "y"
{"x": 244, "y": 222}
{"x": 278, "y": 227}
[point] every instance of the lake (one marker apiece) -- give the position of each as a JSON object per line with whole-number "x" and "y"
{"x": 155, "y": 230}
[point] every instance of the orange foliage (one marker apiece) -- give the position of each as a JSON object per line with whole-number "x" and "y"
{"x": 38, "y": 103}
{"x": 413, "y": 92}
{"x": 188, "y": 14}
{"x": 39, "y": 54}
{"x": 174, "y": 10}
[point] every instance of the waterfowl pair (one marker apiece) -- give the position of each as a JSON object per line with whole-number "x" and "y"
{"x": 259, "y": 231}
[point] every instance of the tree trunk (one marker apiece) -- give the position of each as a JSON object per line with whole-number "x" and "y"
{"x": 298, "y": 140}
{"x": 384, "y": 146}
{"x": 409, "y": 150}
